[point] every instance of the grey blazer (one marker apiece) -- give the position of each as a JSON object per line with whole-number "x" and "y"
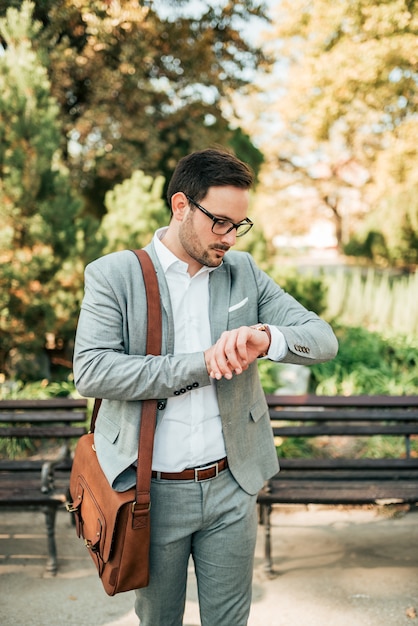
{"x": 110, "y": 360}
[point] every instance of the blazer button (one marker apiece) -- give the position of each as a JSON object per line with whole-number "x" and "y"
{"x": 161, "y": 404}
{"x": 189, "y": 387}
{"x": 177, "y": 393}
{"x": 182, "y": 390}
{"x": 195, "y": 385}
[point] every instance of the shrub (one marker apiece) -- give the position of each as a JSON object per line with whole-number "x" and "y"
{"x": 369, "y": 363}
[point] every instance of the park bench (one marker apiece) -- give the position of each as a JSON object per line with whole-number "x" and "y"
{"x": 41, "y": 481}
{"x": 341, "y": 480}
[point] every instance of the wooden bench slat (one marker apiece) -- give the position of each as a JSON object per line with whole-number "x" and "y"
{"x": 25, "y": 497}
{"x": 359, "y": 476}
{"x": 346, "y": 429}
{"x": 28, "y": 482}
{"x": 46, "y": 403}
{"x": 341, "y": 492}
{"x": 326, "y": 414}
{"x": 351, "y": 464}
{"x": 42, "y": 416}
{"x": 286, "y": 487}
{"x": 38, "y": 432}
{"x": 342, "y": 401}
{"x": 27, "y": 465}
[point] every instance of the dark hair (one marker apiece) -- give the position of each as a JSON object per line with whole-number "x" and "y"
{"x": 198, "y": 171}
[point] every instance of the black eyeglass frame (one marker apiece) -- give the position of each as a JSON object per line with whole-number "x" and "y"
{"x": 246, "y": 222}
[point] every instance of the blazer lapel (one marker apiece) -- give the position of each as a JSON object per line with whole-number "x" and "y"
{"x": 168, "y": 321}
{"x": 219, "y": 295}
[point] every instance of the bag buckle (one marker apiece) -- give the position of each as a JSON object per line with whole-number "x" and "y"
{"x": 93, "y": 547}
{"x": 145, "y": 508}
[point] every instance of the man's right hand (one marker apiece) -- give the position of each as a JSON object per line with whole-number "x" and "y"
{"x": 234, "y": 351}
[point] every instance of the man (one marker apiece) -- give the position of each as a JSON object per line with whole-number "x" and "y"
{"x": 220, "y": 314}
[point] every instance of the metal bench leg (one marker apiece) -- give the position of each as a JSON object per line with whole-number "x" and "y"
{"x": 265, "y": 510}
{"x": 50, "y": 516}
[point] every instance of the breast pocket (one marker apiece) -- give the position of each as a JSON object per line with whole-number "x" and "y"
{"x": 238, "y": 314}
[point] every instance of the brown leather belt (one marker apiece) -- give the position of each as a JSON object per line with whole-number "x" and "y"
{"x": 206, "y": 472}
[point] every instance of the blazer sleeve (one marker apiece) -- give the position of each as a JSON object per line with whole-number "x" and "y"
{"x": 309, "y": 338}
{"x": 109, "y": 353}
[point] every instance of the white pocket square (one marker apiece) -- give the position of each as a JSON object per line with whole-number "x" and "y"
{"x": 234, "y": 307}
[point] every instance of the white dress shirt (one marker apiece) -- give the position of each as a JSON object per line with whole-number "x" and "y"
{"x": 190, "y": 433}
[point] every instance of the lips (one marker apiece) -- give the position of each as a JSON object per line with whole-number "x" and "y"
{"x": 221, "y": 251}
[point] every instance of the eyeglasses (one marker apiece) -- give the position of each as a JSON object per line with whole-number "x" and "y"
{"x": 221, "y": 226}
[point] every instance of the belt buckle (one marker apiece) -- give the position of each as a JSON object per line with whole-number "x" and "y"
{"x": 205, "y": 467}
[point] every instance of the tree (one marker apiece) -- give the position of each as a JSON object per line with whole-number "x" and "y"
{"x": 140, "y": 84}
{"x": 346, "y": 102}
{"x": 37, "y": 208}
{"x": 135, "y": 209}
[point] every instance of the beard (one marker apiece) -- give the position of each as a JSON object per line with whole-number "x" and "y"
{"x": 192, "y": 245}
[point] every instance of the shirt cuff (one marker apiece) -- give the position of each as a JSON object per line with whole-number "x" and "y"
{"x": 278, "y": 345}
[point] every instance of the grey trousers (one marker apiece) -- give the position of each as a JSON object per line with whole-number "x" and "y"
{"x": 215, "y": 522}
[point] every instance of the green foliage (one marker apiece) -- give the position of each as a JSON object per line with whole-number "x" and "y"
{"x": 269, "y": 375}
{"x": 39, "y": 390}
{"x": 37, "y": 208}
{"x": 296, "y": 447}
{"x": 308, "y": 289}
{"x": 385, "y": 447}
{"x": 378, "y": 447}
{"x": 135, "y": 209}
{"x": 258, "y": 246}
{"x": 372, "y": 246}
{"x": 390, "y": 235}
{"x": 241, "y": 144}
{"x": 380, "y": 301}
{"x": 398, "y": 213}
{"x": 368, "y": 363}
{"x": 141, "y": 84}
{"x": 13, "y": 447}
{"x": 346, "y": 141}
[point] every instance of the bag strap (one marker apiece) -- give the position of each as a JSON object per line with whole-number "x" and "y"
{"x": 149, "y": 407}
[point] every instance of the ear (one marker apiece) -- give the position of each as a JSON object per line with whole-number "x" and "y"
{"x": 179, "y": 205}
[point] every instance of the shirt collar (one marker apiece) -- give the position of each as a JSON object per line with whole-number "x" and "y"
{"x": 168, "y": 259}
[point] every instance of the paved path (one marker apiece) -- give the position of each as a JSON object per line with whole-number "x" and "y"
{"x": 336, "y": 567}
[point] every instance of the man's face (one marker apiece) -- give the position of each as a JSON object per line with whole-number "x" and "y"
{"x": 200, "y": 244}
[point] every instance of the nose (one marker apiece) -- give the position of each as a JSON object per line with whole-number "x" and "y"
{"x": 230, "y": 238}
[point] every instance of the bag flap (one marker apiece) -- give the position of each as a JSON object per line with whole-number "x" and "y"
{"x": 94, "y": 500}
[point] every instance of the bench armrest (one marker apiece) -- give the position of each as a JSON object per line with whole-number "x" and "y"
{"x": 48, "y": 469}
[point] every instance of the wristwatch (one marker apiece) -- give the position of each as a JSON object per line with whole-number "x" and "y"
{"x": 264, "y": 328}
